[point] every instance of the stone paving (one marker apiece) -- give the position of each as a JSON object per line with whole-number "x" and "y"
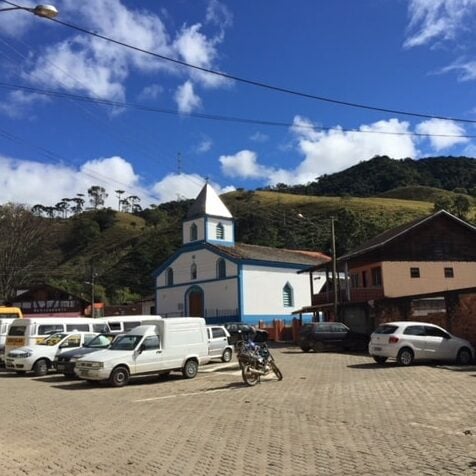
{"x": 333, "y": 414}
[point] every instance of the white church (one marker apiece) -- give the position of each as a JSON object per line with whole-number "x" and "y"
{"x": 214, "y": 277}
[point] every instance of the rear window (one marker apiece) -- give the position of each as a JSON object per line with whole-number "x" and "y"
{"x": 115, "y": 326}
{"x": 218, "y": 332}
{"x": 102, "y": 327}
{"x": 386, "y": 329}
{"x": 17, "y": 331}
{"x": 77, "y": 327}
{"x": 45, "y": 329}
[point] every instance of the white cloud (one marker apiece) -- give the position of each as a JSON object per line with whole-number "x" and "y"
{"x": 243, "y": 164}
{"x": 440, "y": 128}
{"x": 259, "y": 137}
{"x": 186, "y": 98}
{"x": 437, "y": 20}
{"x": 33, "y": 182}
{"x": 182, "y": 186}
{"x": 17, "y": 103}
{"x": 466, "y": 70}
{"x": 151, "y": 92}
{"x": 205, "y": 145}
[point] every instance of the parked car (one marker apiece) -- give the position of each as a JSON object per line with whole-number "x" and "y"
{"x": 320, "y": 336}
{"x": 39, "y": 357}
{"x": 66, "y": 361}
{"x": 218, "y": 343}
{"x": 410, "y": 341}
{"x": 239, "y": 331}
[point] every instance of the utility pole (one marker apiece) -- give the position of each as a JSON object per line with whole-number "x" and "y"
{"x": 119, "y": 194}
{"x": 93, "y": 276}
{"x": 334, "y": 267}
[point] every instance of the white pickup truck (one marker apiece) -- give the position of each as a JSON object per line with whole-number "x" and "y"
{"x": 178, "y": 343}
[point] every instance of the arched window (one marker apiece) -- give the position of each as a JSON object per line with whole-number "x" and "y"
{"x": 220, "y": 231}
{"x": 193, "y": 232}
{"x": 288, "y": 298}
{"x": 221, "y": 268}
{"x": 193, "y": 271}
{"x": 170, "y": 277}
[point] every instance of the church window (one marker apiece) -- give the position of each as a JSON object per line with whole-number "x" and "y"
{"x": 220, "y": 231}
{"x": 193, "y": 232}
{"x": 288, "y": 298}
{"x": 193, "y": 271}
{"x": 221, "y": 268}
{"x": 170, "y": 277}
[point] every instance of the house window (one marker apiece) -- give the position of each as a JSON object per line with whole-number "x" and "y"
{"x": 221, "y": 268}
{"x": 193, "y": 232}
{"x": 288, "y": 299}
{"x": 354, "y": 280}
{"x": 170, "y": 277}
{"x": 220, "y": 231}
{"x": 193, "y": 271}
{"x": 364, "y": 279}
{"x": 377, "y": 277}
{"x": 449, "y": 273}
{"x": 414, "y": 272}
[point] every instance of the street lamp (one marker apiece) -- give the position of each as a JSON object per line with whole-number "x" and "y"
{"x": 44, "y": 11}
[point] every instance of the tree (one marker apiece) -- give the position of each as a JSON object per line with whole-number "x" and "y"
{"x": 22, "y": 236}
{"x": 97, "y": 196}
{"x": 461, "y": 206}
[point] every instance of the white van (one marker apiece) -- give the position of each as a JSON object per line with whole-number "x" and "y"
{"x": 175, "y": 343}
{"x": 32, "y": 330}
{"x": 121, "y": 324}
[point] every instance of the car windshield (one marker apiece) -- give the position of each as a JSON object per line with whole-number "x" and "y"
{"x": 386, "y": 329}
{"x": 127, "y": 342}
{"x": 100, "y": 342}
{"x": 54, "y": 339}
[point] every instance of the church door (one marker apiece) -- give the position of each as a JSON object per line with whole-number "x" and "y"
{"x": 195, "y": 303}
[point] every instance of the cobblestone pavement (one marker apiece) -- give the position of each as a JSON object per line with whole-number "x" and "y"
{"x": 333, "y": 414}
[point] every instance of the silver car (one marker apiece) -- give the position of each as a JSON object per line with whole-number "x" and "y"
{"x": 218, "y": 343}
{"x": 410, "y": 341}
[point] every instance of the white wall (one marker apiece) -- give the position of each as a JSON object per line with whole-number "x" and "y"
{"x": 263, "y": 290}
{"x": 212, "y": 229}
{"x": 200, "y": 222}
{"x": 206, "y": 267}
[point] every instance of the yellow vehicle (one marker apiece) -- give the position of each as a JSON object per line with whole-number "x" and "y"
{"x": 7, "y": 316}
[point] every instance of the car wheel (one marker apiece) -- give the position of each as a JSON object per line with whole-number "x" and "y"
{"x": 318, "y": 347}
{"x": 40, "y": 368}
{"x": 405, "y": 356}
{"x": 190, "y": 369}
{"x": 305, "y": 348}
{"x": 464, "y": 356}
{"x": 119, "y": 377}
{"x": 227, "y": 355}
{"x": 380, "y": 360}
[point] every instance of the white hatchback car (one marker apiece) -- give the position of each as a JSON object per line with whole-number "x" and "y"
{"x": 409, "y": 341}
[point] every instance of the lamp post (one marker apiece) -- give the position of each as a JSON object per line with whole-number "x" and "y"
{"x": 44, "y": 11}
{"x": 334, "y": 263}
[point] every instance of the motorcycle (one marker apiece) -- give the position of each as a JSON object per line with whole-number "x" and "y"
{"x": 256, "y": 361}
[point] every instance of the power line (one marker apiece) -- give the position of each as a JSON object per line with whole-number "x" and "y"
{"x": 253, "y": 82}
{"x": 216, "y": 117}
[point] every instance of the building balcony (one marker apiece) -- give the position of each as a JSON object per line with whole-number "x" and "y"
{"x": 356, "y": 295}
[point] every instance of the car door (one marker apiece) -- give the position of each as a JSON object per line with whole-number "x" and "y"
{"x": 414, "y": 336}
{"x": 147, "y": 356}
{"x": 438, "y": 344}
{"x": 218, "y": 340}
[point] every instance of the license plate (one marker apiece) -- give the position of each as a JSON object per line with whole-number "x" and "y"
{"x": 84, "y": 372}
{"x": 377, "y": 349}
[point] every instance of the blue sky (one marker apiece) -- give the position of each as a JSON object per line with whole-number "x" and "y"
{"x": 415, "y": 55}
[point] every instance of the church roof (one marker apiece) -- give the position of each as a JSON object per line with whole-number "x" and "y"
{"x": 278, "y": 255}
{"x": 208, "y": 203}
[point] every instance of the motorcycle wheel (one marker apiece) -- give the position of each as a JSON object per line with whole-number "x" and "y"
{"x": 276, "y": 370}
{"x": 250, "y": 378}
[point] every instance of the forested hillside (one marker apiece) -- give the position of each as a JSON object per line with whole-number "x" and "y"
{"x": 121, "y": 250}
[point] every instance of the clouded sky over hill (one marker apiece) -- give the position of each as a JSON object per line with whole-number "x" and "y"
{"x": 167, "y": 127}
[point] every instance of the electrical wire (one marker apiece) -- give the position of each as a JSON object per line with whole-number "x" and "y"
{"x": 253, "y": 82}
{"x": 216, "y": 117}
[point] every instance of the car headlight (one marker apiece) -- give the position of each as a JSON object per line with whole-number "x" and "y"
{"x": 22, "y": 355}
{"x": 91, "y": 365}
